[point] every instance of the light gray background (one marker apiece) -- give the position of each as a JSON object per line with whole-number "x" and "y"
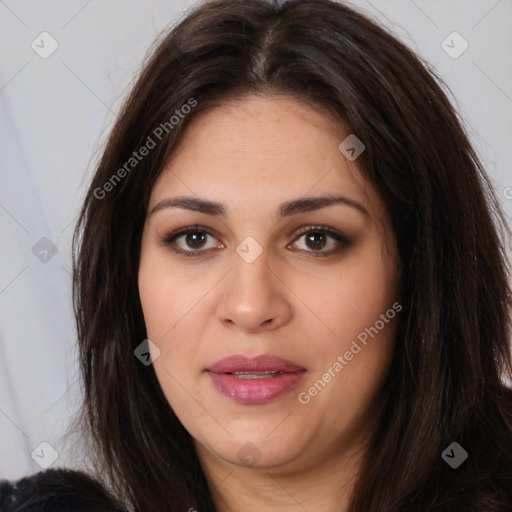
{"x": 55, "y": 114}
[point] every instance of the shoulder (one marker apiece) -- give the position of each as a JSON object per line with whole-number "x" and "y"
{"x": 56, "y": 490}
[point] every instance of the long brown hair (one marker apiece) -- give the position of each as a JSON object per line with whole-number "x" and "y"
{"x": 446, "y": 382}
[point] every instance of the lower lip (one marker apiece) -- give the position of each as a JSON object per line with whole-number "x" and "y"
{"x": 255, "y": 391}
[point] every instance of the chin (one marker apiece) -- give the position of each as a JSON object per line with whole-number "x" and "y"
{"x": 255, "y": 449}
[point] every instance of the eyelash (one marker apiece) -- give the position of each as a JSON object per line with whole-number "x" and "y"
{"x": 343, "y": 241}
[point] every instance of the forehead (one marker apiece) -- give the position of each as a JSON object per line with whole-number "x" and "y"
{"x": 261, "y": 150}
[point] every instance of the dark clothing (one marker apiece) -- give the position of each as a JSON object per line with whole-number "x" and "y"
{"x": 56, "y": 490}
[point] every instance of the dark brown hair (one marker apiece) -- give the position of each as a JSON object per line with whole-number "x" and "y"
{"x": 446, "y": 381}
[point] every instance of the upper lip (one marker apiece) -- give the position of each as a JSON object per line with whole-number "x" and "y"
{"x": 265, "y": 362}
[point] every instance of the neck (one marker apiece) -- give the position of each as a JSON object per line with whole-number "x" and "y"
{"x": 325, "y": 483}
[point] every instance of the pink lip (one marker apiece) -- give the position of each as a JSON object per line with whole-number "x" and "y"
{"x": 254, "y": 391}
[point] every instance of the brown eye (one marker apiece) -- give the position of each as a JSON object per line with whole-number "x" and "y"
{"x": 320, "y": 241}
{"x": 192, "y": 241}
{"x": 316, "y": 240}
{"x": 195, "y": 239}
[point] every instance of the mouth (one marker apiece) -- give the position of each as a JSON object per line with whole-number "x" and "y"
{"x": 255, "y": 375}
{"x": 254, "y": 380}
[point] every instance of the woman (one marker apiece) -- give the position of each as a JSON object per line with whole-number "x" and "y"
{"x": 289, "y": 286}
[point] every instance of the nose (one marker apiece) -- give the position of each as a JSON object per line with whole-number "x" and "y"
{"x": 255, "y": 297}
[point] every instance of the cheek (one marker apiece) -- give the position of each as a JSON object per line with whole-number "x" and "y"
{"x": 171, "y": 302}
{"x": 352, "y": 297}
{"x": 176, "y": 310}
{"x": 172, "y": 323}
{"x": 356, "y": 304}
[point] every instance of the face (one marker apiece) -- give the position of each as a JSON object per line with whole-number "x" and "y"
{"x": 268, "y": 279}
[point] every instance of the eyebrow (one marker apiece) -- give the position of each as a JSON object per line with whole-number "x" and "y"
{"x": 294, "y": 207}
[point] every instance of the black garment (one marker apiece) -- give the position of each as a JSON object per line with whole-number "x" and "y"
{"x": 56, "y": 490}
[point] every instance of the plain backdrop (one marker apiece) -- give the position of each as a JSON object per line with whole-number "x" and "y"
{"x": 55, "y": 114}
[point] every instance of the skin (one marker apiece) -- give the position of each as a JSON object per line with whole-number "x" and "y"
{"x": 252, "y": 155}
